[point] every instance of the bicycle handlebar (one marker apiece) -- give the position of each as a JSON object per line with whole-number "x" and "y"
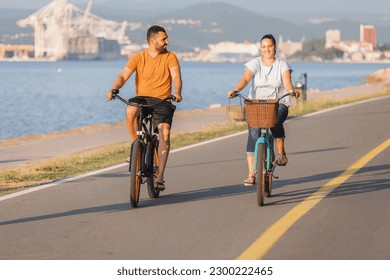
{"x": 114, "y": 96}
{"x": 246, "y": 97}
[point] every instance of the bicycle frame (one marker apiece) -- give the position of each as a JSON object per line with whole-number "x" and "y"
{"x": 143, "y": 153}
{"x": 264, "y": 167}
{"x": 145, "y": 136}
{"x": 267, "y": 139}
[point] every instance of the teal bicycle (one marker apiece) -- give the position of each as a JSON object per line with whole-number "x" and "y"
{"x": 263, "y": 114}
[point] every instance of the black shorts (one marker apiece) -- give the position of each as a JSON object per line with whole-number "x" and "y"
{"x": 162, "y": 113}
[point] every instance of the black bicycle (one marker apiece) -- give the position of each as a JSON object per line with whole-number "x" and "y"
{"x": 144, "y": 161}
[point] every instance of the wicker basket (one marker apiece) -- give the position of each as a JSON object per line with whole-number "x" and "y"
{"x": 262, "y": 112}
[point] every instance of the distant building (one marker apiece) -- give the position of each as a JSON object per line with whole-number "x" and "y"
{"x": 368, "y": 34}
{"x": 16, "y": 51}
{"x": 231, "y": 51}
{"x": 332, "y": 37}
{"x": 234, "y": 48}
{"x": 288, "y": 47}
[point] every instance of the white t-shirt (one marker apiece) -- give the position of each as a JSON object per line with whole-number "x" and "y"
{"x": 267, "y": 82}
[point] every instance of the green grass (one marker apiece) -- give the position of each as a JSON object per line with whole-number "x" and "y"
{"x": 308, "y": 107}
{"x": 63, "y": 167}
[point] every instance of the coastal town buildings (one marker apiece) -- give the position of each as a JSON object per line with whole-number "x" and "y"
{"x": 359, "y": 50}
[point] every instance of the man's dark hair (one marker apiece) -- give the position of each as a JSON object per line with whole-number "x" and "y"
{"x": 153, "y": 30}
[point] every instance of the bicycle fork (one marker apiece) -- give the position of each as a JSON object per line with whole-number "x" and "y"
{"x": 267, "y": 140}
{"x": 142, "y": 152}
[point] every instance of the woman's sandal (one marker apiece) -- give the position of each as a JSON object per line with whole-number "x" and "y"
{"x": 160, "y": 185}
{"x": 250, "y": 181}
{"x": 282, "y": 160}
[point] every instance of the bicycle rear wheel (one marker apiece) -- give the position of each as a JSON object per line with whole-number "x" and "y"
{"x": 268, "y": 185}
{"x": 260, "y": 174}
{"x": 153, "y": 169}
{"x": 269, "y": 177}
{"x": 135, "y": 172}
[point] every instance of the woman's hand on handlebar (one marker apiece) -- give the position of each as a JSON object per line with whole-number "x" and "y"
{"x": 295, "y": 93}
{"x": 232, "y": 94}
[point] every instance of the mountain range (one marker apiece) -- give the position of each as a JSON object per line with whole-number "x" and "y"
{"x": 205, "y": 23}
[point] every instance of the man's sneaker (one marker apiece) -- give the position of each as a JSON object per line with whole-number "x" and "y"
{"x": 160, "y": 186}
{"x": 282, "y": 159}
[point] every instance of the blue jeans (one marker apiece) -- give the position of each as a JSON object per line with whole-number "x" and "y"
{"x": 277, "y": 130}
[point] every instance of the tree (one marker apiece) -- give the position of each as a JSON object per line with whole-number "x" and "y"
{"x": 316, "y": 48}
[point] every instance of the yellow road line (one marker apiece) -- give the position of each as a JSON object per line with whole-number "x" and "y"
{"x": 265, "y": 242}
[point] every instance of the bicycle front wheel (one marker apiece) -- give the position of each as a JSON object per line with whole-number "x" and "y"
{"x": 260, "y": 174}
{"x": 135, "y": 172}
{"x": 153, "y": 170}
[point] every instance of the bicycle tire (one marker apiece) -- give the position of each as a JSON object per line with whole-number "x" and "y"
{"x": 153, "y": 169}
{"x": 268, "y": 189}
{"x": 135, "y": 172}
{"x": 260, "y": 174}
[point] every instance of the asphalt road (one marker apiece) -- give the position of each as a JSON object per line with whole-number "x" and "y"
{"x": 206, "y": 212}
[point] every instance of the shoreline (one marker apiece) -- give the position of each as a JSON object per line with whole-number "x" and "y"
{"x": 14, "y": 141}
{"x": 312, "y": 94}
{"x": 21, "y": 151}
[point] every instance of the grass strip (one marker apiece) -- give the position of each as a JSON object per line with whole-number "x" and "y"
{"x": 62, "y": 167}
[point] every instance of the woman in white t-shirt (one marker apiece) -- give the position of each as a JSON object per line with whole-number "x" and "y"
{"x": 269, "y": 78}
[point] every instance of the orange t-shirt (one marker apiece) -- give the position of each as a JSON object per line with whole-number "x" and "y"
{"x": 153, "y": 77}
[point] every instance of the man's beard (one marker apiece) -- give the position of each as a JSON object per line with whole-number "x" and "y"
{"x": 163, "y": 49}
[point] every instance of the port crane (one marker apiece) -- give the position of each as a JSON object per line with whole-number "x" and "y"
{"x": 59, "y": 23}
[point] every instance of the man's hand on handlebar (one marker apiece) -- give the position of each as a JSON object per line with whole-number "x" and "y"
{"x": 110, "y": 95}
{"x": 177, "y": 98}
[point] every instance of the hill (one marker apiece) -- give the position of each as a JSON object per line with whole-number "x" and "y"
{"x": 213, "y": 22}
{"x": 204, "y": 23}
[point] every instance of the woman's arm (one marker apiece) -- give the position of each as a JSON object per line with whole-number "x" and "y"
{"x": 286, "y": 78}
{"x": 245, "y": 79}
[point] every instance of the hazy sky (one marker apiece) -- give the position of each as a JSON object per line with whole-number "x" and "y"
{"x": 274, "y": 7}
{"x": 369, "y": 6}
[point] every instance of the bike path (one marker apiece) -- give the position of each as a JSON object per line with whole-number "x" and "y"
{"x": 206, "y": 213}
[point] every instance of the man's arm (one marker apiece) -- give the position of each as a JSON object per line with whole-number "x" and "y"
{"x": 120, "y": 81}
{"x": 177, "y": 83}
{"x": 122, "y": 78}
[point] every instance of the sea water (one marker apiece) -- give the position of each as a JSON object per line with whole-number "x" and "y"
{"x": 43, "y": 97}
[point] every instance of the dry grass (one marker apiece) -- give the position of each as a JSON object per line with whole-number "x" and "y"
{"x": 313, "y": 106}
{"x": 62, "y": 167}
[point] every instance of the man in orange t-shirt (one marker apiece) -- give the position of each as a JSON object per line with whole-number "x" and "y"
{"x": 156, "y": 69}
